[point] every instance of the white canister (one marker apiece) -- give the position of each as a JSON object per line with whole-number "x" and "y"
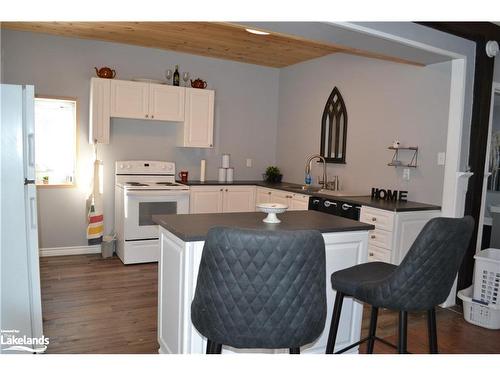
{"x": 222, "y": 174}
{"x": 229, "y": 174}
{"x": 203, "y": 165}
{"x": 225, "y": 160}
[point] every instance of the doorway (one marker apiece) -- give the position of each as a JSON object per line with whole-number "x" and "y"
{"x": 491, "y": 186}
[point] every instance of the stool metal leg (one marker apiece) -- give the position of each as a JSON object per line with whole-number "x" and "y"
{"x": 432, "y": 328}
{"x": 213, "y": 348}
{"x": 294, "y": 350}
{"x": 372, "y": 331}
{"x": 403, "y": 330}
{"x": 334, "y": 326}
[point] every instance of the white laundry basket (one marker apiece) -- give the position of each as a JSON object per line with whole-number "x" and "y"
{"x": 479, "y": 313}
{"x": 487, "y": 276}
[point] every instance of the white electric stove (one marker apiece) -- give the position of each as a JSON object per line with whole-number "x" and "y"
{"x": 144, "y": 189}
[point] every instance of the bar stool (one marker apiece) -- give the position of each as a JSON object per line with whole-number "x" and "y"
{"x": 260, "y": 289}
{"x": 421, "y": 282}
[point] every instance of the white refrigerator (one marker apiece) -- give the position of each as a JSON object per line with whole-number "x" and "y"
{"x": 20, "y": 302}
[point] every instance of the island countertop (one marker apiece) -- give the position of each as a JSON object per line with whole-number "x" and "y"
{"x": 194, "y": 227}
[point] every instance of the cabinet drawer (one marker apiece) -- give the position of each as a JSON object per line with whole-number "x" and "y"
{"x": 377, "y": 254}
{"x": 380, "y": 218}
{"x": 380, "y": 238}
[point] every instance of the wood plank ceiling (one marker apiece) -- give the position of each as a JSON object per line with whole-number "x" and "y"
{"x": 213, "y": 39}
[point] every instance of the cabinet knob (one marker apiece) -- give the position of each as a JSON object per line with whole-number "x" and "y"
{"x": 226, "y": 189}
{"x": 372, "y": 236}
{"x": 269, "y": 193}
{"x": 371, "y": 254}
{"x": 147, "y": 116}
{"x": 221, "y": 190}
{"x": 374, "y": 219}
{"x": 211, "y": 145}
{"x": 152, "y": 116}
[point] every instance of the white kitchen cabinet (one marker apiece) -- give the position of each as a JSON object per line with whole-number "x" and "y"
{"x": 394, "y": 232}
{"x": 216, "y": 199}
{"x": 198, "y": 129}
{"x": 206, "y": 199}
{"x": 238, "y": 199}
{"x": 129, "y": 99}
{"x": 299, "y": 202}
{"x": 294, "y": 201}
{"x": 99, "y": 110}
{"x": 166, "y": 102}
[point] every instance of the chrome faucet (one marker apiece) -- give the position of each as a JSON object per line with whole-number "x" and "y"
{"x": 308, "y": 167}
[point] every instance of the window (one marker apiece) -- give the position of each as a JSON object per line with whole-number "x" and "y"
{"x": 55, "y": 141}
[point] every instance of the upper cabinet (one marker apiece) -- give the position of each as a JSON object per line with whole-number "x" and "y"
{"x": 199, "y": 119}
{"x": 166, "y": 102}
{"x": 99, "y": 110}
{"x": 149, "y": 101}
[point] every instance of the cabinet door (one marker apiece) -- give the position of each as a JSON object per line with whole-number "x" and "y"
{"x": 239, "y": 199}
{"x": 129, "y": 99}
{"x": 198, "y": 118}
{"x": 279, "y": 196}
{"x": 206, "y": 199}
{"x": 299, "y": 202}
{"x": 166, "y": 102}
{"x": 262, "y": 195}
{"x": 99, "y": 110}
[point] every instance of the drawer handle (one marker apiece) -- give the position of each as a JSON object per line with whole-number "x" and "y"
{"x": 371, "y": 254}
{"x": 374, "y": 219}
{"x": 372, "y": 236}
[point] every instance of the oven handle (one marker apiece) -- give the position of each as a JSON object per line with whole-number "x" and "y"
{"x": 156, "y": 193}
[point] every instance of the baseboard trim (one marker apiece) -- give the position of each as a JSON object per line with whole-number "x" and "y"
{"x": 71, "y": 250}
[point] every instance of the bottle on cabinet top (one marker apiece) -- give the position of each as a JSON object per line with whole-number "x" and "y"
{"x": 176, "y": 76}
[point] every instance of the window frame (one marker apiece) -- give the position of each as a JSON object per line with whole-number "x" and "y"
{"x": 73, "y": 184}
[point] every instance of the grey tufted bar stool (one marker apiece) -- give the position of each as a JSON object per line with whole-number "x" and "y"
{"x": 422, "y": 281}
{"x": 260, "y": 289}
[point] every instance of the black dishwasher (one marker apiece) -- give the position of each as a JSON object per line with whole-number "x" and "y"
{"x": 335, "y": 207}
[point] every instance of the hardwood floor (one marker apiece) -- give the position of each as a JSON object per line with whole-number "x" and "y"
{"x": 95, "y": 305}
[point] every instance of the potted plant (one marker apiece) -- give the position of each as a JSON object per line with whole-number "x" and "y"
{"x": 45, "y": 179}
{"x": 273, "y": 174}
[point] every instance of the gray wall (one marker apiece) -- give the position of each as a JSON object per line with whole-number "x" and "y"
{"x": 385, "y": 101}
{"x": 493, "y": 197}
{"x": 496, "y": 70}
{"x": 245, "y": 117}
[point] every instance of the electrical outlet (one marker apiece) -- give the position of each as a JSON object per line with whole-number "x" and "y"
{"x": 406, "y": 174}
{"x": 249, "y": 163}
{"x": 441, "y": 158}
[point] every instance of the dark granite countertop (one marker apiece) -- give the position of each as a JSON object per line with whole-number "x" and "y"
{"x": 194, "y": 227}
{"x": 361, "y": 200}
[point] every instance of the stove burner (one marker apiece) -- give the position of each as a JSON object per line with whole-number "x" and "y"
{"x": 166, "y": 183}
{"x": 135, "y": 184}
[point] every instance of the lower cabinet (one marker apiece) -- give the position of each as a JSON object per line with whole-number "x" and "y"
{"x": 218, "y": 199}
{"x": 294, "y": 201}
{"x": 394, "y": 232}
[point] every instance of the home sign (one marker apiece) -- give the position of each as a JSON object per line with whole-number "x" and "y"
{"x": 389, "y": 195}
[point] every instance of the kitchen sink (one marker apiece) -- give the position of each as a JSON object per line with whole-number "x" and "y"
{"x": 303, "y": 188}
{"x": 340, "y": 193}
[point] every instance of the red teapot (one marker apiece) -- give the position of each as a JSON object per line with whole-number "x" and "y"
{"x": 105, "y": 72}
{"x": 199, "y": 84}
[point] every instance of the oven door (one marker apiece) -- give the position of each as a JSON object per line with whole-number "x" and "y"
{"x": 141, "y": 205}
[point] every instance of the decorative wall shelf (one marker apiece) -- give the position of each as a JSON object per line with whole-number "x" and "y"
{"x": 395, "y": 162}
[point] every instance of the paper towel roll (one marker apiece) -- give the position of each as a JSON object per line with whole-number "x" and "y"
{"x": 222, "y": 174}
{"x": 203, "y": 165}
{"x": 229, "y": 174}
{"x": 225, "y": 160}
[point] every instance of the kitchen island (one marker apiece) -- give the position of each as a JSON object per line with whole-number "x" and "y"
{"x": 182, "y": 239}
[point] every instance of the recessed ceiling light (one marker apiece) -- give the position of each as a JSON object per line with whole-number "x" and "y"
{"x": 257, "y": 32}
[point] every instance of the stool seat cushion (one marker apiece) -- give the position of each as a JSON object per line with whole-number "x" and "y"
{"x": 348, "y": 280}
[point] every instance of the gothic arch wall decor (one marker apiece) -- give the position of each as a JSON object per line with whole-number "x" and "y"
{"x": 334, "y": 129}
